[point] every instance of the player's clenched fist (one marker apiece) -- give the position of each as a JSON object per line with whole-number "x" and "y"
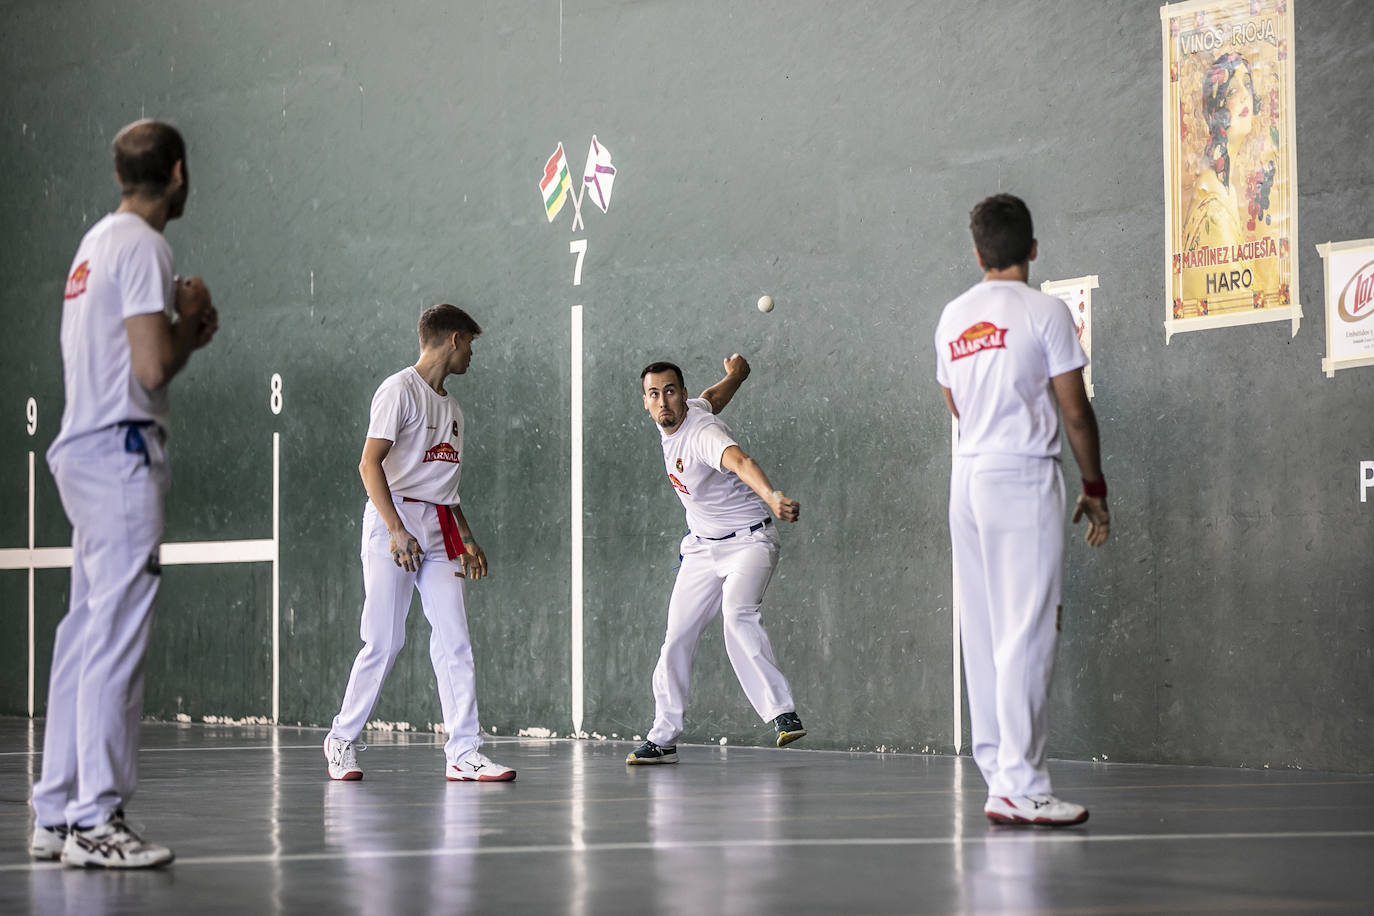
{"x": 737, "y": 366}
{"x": 1099, "y": 519}
{"x": 406, "y": 552}
{"x": 193, "y": 305}
{"x": 789, "y": 510}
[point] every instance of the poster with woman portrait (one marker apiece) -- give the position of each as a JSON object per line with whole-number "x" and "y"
{"x": 1231, "y": 216}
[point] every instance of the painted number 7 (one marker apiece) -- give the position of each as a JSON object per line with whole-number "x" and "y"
{"x": 579, "y": 248}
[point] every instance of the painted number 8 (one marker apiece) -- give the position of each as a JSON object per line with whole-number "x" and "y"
{"x": 275, "y": 401}
{"x": 31, "y": 414}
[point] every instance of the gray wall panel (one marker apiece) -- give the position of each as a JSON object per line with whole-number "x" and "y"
{"x": 352, "y": 163}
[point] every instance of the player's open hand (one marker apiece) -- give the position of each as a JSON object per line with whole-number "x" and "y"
{"x": 737, "y": 366}
{"x": 405, "y": 551}
{"x": 788, "y": 510}
{"x": 474, "y": 560}
{"x": 1099, "y": 519}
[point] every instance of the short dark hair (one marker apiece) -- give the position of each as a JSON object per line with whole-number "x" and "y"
{"x": 439, "y": 321}
{"x": 144, "y": 154}
{"x": 1002, "y": 231}
{"x": 662, "y": 367}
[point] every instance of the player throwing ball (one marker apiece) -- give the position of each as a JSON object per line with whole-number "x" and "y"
{"x": 728, "y": 555}
{"x": 1007, "y": 356}
{"x": 416, "y": 536}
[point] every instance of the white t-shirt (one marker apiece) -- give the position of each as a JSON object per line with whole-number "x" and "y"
{"x": 122, "y": 268}
{"x": 997, "y": 347}
{"x": 425, "y": 430}
{"x": 716, "y": 500}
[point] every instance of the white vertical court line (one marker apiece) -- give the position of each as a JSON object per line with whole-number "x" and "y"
{"x": 276, "y": 578}
{"x": 954, "y": 615}
{"x": 576, "y": 673}
{"x": 31, "y": 621}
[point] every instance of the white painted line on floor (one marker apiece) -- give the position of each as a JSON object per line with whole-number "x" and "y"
{"x": 1002, "y": 837}
{"x": 245, "y": 747}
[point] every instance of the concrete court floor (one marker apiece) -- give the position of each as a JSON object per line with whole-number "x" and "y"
{"x": 258, "y": 828}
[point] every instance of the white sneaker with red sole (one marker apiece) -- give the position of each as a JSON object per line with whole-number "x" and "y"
{"x": 343, "y": 762}
{"x": 478, "y": 767}
{"x": 1034, "y": 810}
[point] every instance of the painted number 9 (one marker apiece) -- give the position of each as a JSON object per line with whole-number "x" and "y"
{"x": 31, "y": 415}
{"x": 274, "y": 401}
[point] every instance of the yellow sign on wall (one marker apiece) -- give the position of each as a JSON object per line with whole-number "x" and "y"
{"x": 1229, "y": 164}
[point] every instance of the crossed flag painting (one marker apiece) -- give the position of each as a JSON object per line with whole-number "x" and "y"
{"x": 597, "y": 180}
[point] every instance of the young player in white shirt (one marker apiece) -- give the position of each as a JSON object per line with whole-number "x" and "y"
{"x": 128, "y": 327}
{"x": 728, "y": 556}
{"x": 1007, "y": 356}
{"x": 415, "y": 536}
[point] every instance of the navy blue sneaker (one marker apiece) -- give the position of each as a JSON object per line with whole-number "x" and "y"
{"x": 789, "y": 728}
{"x": 648, "y": 752}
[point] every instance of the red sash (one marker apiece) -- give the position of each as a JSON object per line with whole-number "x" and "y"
{"x": 448, "y": 526}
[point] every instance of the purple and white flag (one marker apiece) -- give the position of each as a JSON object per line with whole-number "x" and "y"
{"x": 599, "y": 175}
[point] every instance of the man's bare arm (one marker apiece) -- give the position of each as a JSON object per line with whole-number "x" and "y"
{"x": 747, "y": 469}
{"x": 405, "y": 550}
{"x": 474, "y": 557}
{"x": 1080, "y": 425}
{"x": 949, "y": 402}
{"x": 159, "y": 349}
{"x": 720, "y": 394}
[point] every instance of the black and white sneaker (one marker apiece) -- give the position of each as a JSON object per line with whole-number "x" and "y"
{"x": 789, "y": 728}
{"x": 47, "y": 842}
{"x": 112, "y": 845}
{"x": 478, "y": 767}
{"x": 648, "y": 752}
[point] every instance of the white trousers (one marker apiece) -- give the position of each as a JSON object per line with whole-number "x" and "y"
{"x": 114, "y": 500}
{"x": 727, "y": 576}
{"x": 1006, "y": 521}
{"x": 388, "y": 588}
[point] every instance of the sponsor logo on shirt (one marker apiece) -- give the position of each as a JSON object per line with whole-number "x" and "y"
{"x": 982, "y": 336}
{"x": 76, "y": 283}
{"x": 679, "y": 465}
{"x": 677, "y": 484}
{"x": 443, "y": 452}
{"x": 455, "y": 429}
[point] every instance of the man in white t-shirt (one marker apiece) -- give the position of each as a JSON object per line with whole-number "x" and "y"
{"x": 415, "y": 536}
{"x": 728, "y": 556}
{"x": 128, "y": 326}
{"x": 1007, "y": 356}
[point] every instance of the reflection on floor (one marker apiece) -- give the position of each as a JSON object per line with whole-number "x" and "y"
{"x": 258, "y": 828}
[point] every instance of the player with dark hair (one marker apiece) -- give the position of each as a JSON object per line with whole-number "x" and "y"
{"x": 728, "y": 555}
{"x": 128, "y": 327}
{"x": 1007, "y": 356}
{"x": 415, "y": 536}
